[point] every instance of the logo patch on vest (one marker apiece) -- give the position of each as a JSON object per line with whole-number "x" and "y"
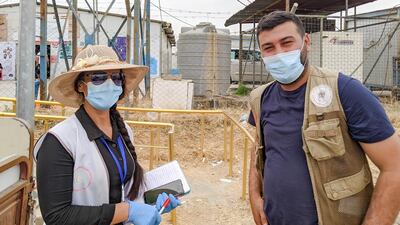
{"x": 82, "y": 179}
{"x": 321, "y": 95}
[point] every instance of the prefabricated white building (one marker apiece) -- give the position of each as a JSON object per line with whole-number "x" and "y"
{"x": 162, "y": 38}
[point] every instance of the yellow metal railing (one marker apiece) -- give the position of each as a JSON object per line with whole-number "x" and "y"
{"x": 229, "y": 124}
{"x": 171, "y": 153}
{"x": 37, "y": 103}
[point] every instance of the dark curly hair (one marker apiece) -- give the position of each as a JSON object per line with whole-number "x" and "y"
{"x": 276, "y": 18}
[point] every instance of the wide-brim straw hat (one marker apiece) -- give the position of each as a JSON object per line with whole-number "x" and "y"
{"x": 93, "y": 58}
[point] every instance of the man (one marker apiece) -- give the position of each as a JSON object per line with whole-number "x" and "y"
{"x": 314, "y": 128}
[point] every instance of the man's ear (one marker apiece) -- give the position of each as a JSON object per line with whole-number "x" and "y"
{"x": 307, "y": 41}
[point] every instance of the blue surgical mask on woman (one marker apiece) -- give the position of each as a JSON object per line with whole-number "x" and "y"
{"x": 285, "y": 67}
{"x": 103, "y": 96}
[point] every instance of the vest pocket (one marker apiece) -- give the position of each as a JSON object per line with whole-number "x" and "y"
{"x": 348, "y": 186}
{"x": 324, "y": 139}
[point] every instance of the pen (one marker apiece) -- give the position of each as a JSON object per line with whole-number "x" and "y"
{"x": 164, "y": 205}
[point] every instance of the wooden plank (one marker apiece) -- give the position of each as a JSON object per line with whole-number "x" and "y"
{"x": 10, "y": 210}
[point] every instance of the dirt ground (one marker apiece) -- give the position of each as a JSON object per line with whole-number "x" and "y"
{"x": 215, "y": 197}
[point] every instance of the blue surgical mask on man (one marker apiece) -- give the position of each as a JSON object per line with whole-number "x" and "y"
{"x": 285, "y": 67}
{"x": 103, "y": 96}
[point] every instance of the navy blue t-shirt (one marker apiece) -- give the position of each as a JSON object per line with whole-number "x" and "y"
{"x": 287, "y": 186}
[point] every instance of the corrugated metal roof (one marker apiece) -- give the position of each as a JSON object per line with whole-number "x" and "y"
{"x": 259, "y": 8}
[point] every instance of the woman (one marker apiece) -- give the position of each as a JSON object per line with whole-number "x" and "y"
{"x": 87, "y": 167}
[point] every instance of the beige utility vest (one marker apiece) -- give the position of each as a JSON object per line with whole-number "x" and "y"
{"x": 339, "y": 170}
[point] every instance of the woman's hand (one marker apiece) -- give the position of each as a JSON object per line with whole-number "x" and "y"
{"x": 173, "y": 202}
{"x": 143, "y": 214}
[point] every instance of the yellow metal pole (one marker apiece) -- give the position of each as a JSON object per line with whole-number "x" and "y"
{"x": 171, "y": 146}
{"x": 225, "y": 139}
{"x": 158, "y": 138}
{"x": 152, "y": 135}
{"x": 173, "y": 217}
{"x": 159, "y": 117}
{"x": 244, "y": 184}
{"x": 14, "y": 109}
{"x": 63, "y": 110}
{"x": 157, "y": 141}
{"x": 46, "y": 125}
{"x": 231, "y": 152}
{"x": 203, "y": 134}
{"x": 171, "y": 157}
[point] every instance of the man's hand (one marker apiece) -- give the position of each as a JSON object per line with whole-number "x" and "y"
{"x": 257, "y": 208}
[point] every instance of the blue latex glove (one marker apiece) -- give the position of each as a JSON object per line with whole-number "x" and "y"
{"x": 143, "y": 214}
{"x": 173, "y": 203}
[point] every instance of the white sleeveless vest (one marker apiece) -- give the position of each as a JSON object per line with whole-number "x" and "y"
{"x": 91, "y": 182}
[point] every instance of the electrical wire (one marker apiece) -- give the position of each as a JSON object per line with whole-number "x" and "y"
{"x": 4, "y": 1}
{"x": 192, "y": 14}
{"x": 241, "y": 2}
{"x": 383, "y": 31}
{"x": 376, "y": 43}
{"x": 196, "y": 12}
{"x": 172, "y": 15}
{"x": 159, "y": 4}
{"x": 195, "y": 17}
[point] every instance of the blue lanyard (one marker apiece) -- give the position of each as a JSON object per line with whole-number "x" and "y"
{"x": 122, "y": 174}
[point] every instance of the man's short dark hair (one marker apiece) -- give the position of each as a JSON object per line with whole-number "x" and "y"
{"x": 270, "y": 21}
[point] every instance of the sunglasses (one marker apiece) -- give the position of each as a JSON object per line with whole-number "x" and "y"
{"x": 100, "y": 77}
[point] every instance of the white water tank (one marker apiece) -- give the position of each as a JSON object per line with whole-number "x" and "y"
{"x": 204, "y": 57}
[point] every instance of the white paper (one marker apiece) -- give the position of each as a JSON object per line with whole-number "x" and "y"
{"x": 164, "y": 175}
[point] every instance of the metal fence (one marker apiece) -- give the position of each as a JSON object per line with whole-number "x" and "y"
{"x": 365, "y": 46}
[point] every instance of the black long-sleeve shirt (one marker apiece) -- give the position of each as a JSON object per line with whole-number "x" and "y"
{"x": 55, "y": 170}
